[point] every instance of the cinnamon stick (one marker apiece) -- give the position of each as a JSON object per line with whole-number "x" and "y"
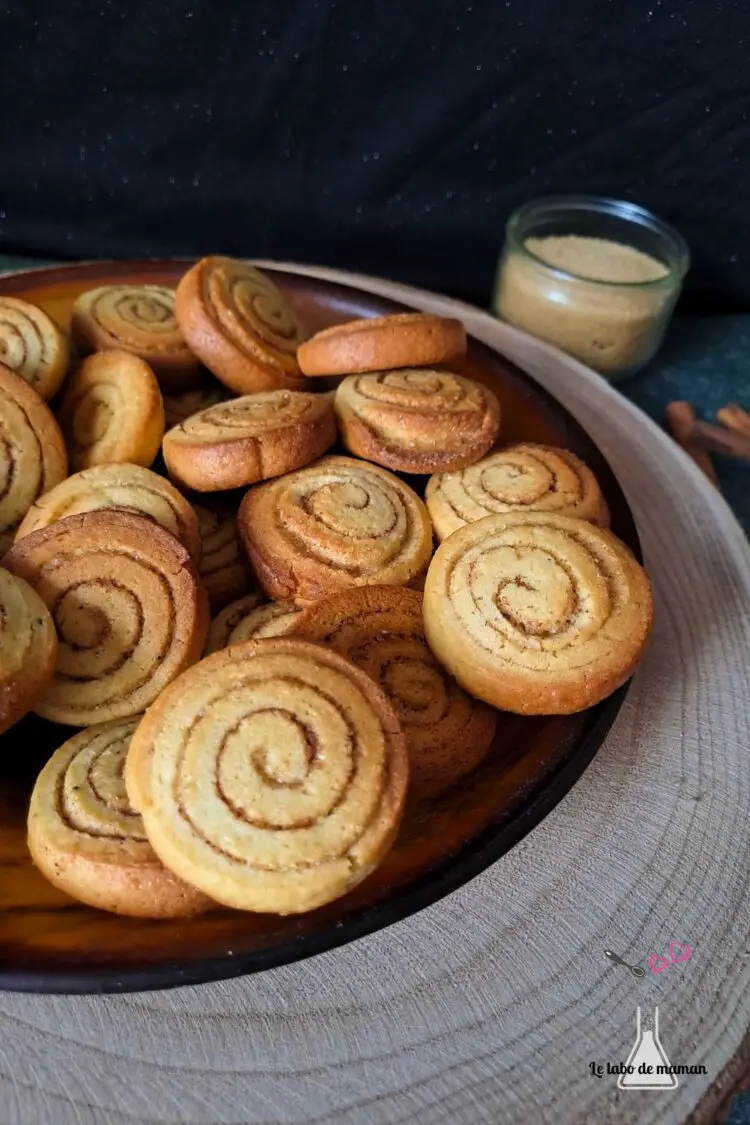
{"x": 734, "y": 418}
{"x": 681, "y": 421}
{"x": 719, "y": 440}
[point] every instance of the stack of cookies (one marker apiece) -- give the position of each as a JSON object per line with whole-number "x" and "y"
{"x": 214, "y": 572}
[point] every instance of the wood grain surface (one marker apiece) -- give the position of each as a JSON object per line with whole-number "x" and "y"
{"x": 489, "y": 1006}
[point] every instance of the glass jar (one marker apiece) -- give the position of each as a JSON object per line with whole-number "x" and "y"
{"x": 599, "y": 278}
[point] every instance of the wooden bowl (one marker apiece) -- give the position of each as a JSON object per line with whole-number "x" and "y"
{"x": 49, "y": 943}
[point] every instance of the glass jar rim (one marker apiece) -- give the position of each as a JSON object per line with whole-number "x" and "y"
{"x": 678, "y": 262}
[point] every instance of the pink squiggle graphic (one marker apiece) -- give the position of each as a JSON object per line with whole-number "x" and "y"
{"x": 679, "y": 952}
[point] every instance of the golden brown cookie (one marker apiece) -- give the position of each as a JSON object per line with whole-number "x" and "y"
{"x": 250, "y": 439}
{"x": 33, "y": 346}
{"x": 130, "y": 488}
{"x": 250, "y": 620}
{"x": 519, "y": 478}
{"x": 28, "y": 648}
{"x": 138, "y": 319}
{"x": 417, "y": 420}
{"x": 32, "y": 452}
{"x": 239, "y": 325}
{"x": 537, "y": 613}
{"x": 111, "y": 410}
{"x": 88, "y": 840}
{"x": 177, "y": 408}
{"x": 128, "y": 607}
{"x": 336, "y": 524}
{"x": 271, "y": 776}
{"x": 379, "y": 628}
{"x": 223, "y": 567}
{"x": 380, "y": 343}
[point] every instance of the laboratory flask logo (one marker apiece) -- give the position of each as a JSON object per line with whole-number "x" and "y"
{"x": 648, "y": 1067}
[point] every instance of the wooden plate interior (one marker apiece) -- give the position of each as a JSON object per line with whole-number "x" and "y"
{"x": 48, "y": 942}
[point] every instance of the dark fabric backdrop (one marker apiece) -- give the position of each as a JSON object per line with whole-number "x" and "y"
{"x": 387, "y": 137}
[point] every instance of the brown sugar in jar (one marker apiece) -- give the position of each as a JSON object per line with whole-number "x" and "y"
{"x": 596, "y": 278}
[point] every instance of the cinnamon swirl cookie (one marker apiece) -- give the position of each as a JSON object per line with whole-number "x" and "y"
{"x": 130, "y": 488}
{"x": 138, "y": 319}
{"x": 383, "y": 342}
{"x": 250, "y": 439}
{"x": 112, "y": 410}
{"x": 128, "y": 607}
{"x": 88, "y": 840}
{"x": 271, "y": 776}
{"x": 238, "y": 324}
{"x": 178, "y": 408}
{"x": 223, "y": 566}
{"x": 28, "y": 648}
{"x": 537, "y": 613}
{"x": 417, "y": 420}
{"x": 32, "y": 452}
{"x": 337, "y": 524}
{"x": 519, "y": 478}
{"x": 248, "y": 619}
{"x": 33, "y": 346}
{"x": 379, "y": 628}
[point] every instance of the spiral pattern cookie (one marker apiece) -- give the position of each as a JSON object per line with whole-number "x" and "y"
{"x": 32, "y": 452}
{"x": 139, "y": 319}
{"x": 33, "y": 346}
{"x": 128, "y": 607}
{"x": 248, "y": 619}
{"x": 380, "y": 343}
{"x": 271, "y": 776}
{"x": 28, "y": 648}
{"x": 417, "y": 420}
{"x": 519, "y": 478}
{"x": 129, "y": 488}
{"x": 250, "y": 439}
{"x": 537, "y": 613}
{"x": 88, "y": 840}
{"x": 126, "y": 487}
{"x": 223, "y": 568}
{"x": 337, "y": 524}
{"x": 239, "y": 325}
{"x": 178, "y": 408}
{"x": 111, "y": 410}
{"x": 379, "y": 628}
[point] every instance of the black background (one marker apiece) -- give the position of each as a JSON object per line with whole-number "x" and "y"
{"x": 392, "y": 138}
